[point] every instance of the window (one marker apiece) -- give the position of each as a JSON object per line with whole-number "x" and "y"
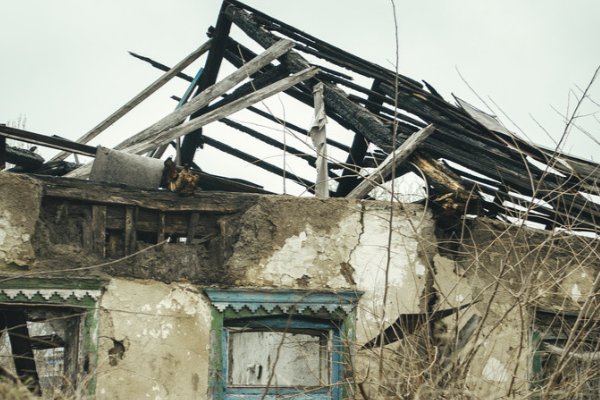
{"x": 280, "y": 343}
{"x": 48, "y": 336}
{"x": 580, "y": 375}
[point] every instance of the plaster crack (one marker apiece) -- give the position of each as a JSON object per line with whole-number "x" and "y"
{"x": 361, "y": 233}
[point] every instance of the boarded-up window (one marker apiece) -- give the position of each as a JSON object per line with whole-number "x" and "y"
{"x": 279, "y": 358}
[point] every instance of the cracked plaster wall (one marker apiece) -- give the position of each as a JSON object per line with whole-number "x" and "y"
{"x": 20, "y": 199}
{"x": 153, "y": 341}
{"x": 541, "y": 269}
{"x": 154, "y": 337}
{"x": 337, "y": 244}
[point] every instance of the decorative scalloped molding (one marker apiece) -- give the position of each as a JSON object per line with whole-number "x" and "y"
{"x": 284, "y": 300}
{"x": 64, "y": 294}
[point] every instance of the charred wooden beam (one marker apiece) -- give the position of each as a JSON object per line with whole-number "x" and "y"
{"x": 350, "y": 177}
{"x": 160, "y": 66}
{"x": 48, "y": 141}
{"x": 106, "y": 193}
{"x": 350, "y": 60}
{"x": 21, "y": 157}
{"x": 258, "y": 162}
{"x": 355, "y": 116}
{"x": 296, "y": 128}
{"x": 311, "y": 160}
{"x": 393, "y": 161}
{"x": 2, "y": 153}
{"x": 209, "y": 76}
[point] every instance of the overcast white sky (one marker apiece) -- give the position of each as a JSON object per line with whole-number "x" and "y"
{"x": 64, "y": 63}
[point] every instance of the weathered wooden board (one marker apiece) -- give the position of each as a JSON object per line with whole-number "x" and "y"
{"x": 208, "y": 95}
{"x": 156, "y": 140}
{"x": 103, "y": 193}
{"x": 130, "y": 105}
{"x": 394, "y": 160}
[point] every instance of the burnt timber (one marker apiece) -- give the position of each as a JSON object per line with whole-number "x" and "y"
{"x": 502, "y": 181}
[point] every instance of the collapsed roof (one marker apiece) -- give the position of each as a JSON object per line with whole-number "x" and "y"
{"x": 472, "y": 164}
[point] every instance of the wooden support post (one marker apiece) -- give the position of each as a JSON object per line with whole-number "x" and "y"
{"x": 211, "y": 71}
{"x": 2, "y": 153}
{"x": 160, "y": 82}
{"x": 318, "y": 136}
{"x": 360, "y": 145}
{"x": 160, "y": 231}
{"x": 130, "y": 231}
{"x": 193, "y": 225}
{"x": 391, "y": 162}
{"x": 99, "y": 229}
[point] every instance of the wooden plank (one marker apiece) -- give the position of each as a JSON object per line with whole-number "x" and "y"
{"x": 87, "y": 235}
{"x": 130, "y": 233}
{"x": 391, "y": 162}
{"x": 152, "y": 142}
{"x": 194, "y": 218}
{"x": 318, "y": 136}
{"x": 160, "y": 230}
{"x": 48, "y": 141}
{"x": 143, "y": 95}
{"x": 208, "y": 95}
{"x": 104, "y": 193}
{"x": 99, "y": 229}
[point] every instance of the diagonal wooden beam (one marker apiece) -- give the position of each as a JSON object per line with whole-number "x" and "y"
{"x": 393, "y": 161}
{"x": 160, "y": 82}
{"x": 258, "y": 162}
{"x": 208, "y": 95}
{"x": 355, "y": 116}
{"x": 165, "y": 136}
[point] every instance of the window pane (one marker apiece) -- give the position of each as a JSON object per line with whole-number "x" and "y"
{"x": 303, "y": 359}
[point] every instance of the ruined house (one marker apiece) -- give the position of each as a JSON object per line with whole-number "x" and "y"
{"x": 118, "y": 288}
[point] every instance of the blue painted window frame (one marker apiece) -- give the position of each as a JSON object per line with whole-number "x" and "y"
{"x": 329, "y": 312}
{"x": 286, "y": 323}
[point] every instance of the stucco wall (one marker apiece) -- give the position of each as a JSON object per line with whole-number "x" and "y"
{"x": 153, "y": 341}
{"x": 20, "y": 199}
{"x": 164, "y": 329}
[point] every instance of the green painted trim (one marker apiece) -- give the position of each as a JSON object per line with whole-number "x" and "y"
{"x": 90, "y": 316}
{"x": 50, "y": 283}
{"x": 215, "y": 384}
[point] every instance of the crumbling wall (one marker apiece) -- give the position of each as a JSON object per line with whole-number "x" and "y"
{"x": 511, "y": 271}
{"x": 20, "y": 198}
{"x": 153, "y": 341}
